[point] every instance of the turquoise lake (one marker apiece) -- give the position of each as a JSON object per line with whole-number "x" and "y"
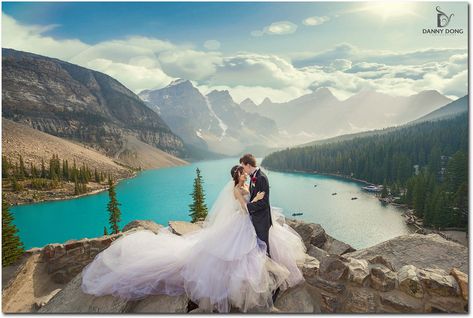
{"x": 163, "y": 195}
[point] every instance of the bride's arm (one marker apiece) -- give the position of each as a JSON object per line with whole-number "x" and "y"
{"x": 240, "y": 199}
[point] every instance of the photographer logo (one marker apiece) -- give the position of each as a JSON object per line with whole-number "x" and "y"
{"x": 443, "y": 20}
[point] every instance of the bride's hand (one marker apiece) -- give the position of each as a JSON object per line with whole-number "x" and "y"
{"x": 258, "y": 196}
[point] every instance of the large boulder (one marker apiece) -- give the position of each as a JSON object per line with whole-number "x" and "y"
{"x": 30, "y": 288}
{"x": 161, "y": 304}
{"x": 72, "y": 299}
{"x": 438, "y": 282}
{"x": 182, "y": 227}
{"x": 296, "y": 300}
{"x": 382, "y": 278}
{"x": 334, "y": 246}
{"x": 462, "y": 280}
{"x": 333, "y": 268}
{"x": 358, "y": 271}
{"x": 359, "y": 300}
{"x": 317, "y": 252}
{"x": 422, "y": 251}
{"x": 143, "y": 224}
{"x": 311, "y": 233}
{"x": 409, "y": 282}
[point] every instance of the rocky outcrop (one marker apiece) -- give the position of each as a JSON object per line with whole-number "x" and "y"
{"x": 317, "y": 242}
{"x": 73, "y": 102}
{"x": 347, "y": 285}
{"x": 333, "y": 283}
{"x": 143, "y": 224}
{"x": 72, "y": 300}
{"x": 419, "y": 250}
{"x": 31, "y": 286}
{"x": 182, "y": 227}
{"x": 296, "y": 300}
{"x": 65, "y": 261}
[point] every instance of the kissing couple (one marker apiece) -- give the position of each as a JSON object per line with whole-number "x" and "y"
{"x": 242, "y": 257}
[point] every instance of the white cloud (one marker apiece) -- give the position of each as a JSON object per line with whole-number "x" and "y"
{"x": 276, "y": 28}
{"x": 251, "y": 69}
{"x": 355, "y": 54}
{"x": 190, "y": 64}
{"x": 146, "y": 63}
{"x": 312, "y": 21}
{"x": 212, "y": 44}
{"x": 30, "y": 38}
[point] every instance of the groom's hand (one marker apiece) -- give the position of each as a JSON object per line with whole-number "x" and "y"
{"x": 262, "y": 204}
{"x": 258, "y": 196}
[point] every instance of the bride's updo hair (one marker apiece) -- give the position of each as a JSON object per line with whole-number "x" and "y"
{"x": 236, "y": 172}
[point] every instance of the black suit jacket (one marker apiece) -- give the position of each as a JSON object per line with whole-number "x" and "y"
{"x": 261, "y": 211}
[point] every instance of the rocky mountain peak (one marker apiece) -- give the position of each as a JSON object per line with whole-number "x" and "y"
{"x": 266, "y": 101}
{"x": 180, "y": 82}
{"x": 323, "y": 93}
{"x": 222, "y": 96}
{"x": 248, "y": 104}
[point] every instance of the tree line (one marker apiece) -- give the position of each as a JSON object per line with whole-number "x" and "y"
{"x": 46, "y": 178}
{"x": 425, "y": 165}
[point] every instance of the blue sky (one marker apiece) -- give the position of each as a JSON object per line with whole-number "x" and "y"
{"x": 286, "y": 49}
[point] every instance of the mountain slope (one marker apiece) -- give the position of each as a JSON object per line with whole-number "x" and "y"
{"x": 378, "y": 158}
{"x": 76, "y": 103}
{"x": 450, "y": 110}
{"x": 34, "y": 145}
{"x": 453, "y": 109}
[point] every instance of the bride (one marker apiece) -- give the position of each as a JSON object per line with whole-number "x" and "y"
{"x": 223, "y": 265}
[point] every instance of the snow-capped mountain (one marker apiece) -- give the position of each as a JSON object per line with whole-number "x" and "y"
{"x": 213, "y": 121}
{"x": 321, "y": 115}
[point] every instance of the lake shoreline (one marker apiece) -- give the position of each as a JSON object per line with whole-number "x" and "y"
{"x": 321, "y": 173}
{"x": 59, "y": 196}
{"x": 452, "y": 235}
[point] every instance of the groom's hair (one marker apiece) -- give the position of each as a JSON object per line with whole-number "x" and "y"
{"x": 248, "y": 159}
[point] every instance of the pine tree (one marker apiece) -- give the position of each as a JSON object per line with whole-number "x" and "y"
{"x": 105, "y": 230}
{"x": 114, "y": 214}
{"x": 96, "y": 176}
{"x": 6, "y": 165}
{"x": 22, "y": 170}
{"x": 43, "y": 169}
{"x": 12, "y": 247}
{"x": 16, "y": 186}
{"x": 198, "y": 208}
{"x": 384, "y": 192}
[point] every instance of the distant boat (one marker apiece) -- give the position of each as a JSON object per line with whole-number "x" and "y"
{"x": 335, "y": 193}
{"x": 373, "y": 188}
{"x": 354, "y": 198}
{"x": 297, "y": 214}
{"x": 315, "y": 185}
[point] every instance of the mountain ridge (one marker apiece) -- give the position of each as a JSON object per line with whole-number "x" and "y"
{"x": 76, "y": 103}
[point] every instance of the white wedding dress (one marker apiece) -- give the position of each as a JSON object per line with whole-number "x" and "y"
{"x": 223, "y": 265}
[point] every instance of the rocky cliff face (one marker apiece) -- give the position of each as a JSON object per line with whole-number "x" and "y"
{"x": 338, "y": 279}
{"x": 73, "y": 102}
{"x": 213, "y": 122}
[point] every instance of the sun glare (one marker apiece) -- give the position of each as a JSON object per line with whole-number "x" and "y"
{"x": 388, "y": 10}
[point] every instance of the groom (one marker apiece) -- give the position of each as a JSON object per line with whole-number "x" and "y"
{"x": 260, "y": 210}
